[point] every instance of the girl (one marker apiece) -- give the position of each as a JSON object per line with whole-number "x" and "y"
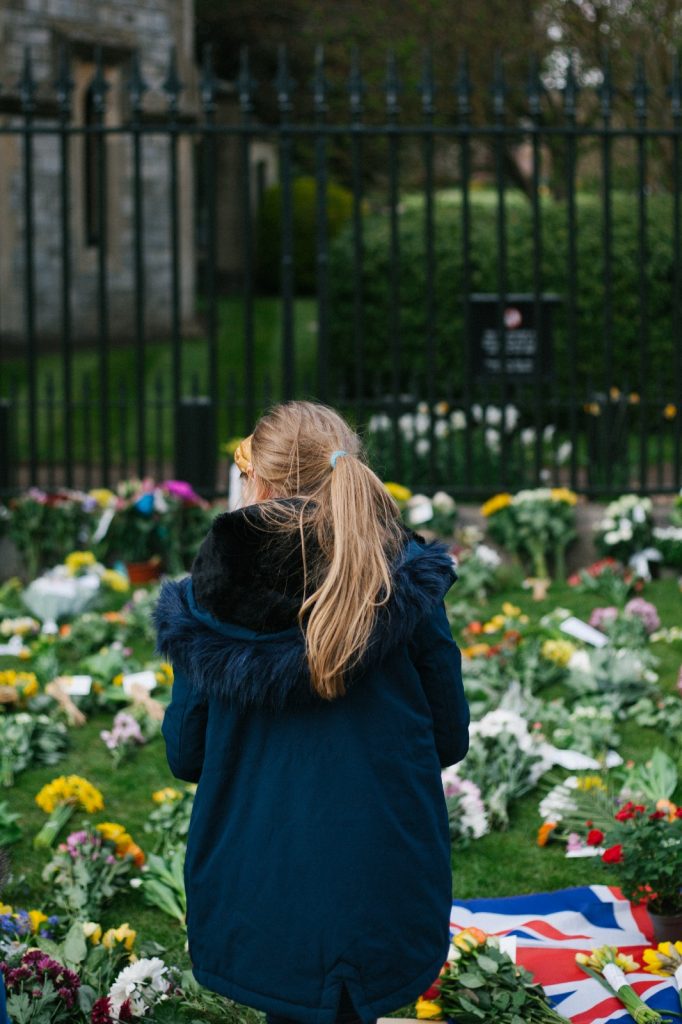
{"x": 317, "y": 696}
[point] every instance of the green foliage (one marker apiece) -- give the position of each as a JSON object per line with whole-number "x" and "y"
{"x": 651, "y": 857}
{"x": 339, "y": 204}
{"x": 484, "y": 250}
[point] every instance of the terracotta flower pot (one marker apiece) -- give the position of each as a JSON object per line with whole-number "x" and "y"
{"x": 667, "y": 927}
{"x": 143, "y": 572}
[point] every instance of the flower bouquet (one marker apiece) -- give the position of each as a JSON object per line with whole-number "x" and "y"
{"x": 482, "y": 983}
{"x": 90, "y": 867}
{"x": 666, "y": 961}
{"x": 59, "y": 799}
{"x": 609, "y": 967}
{"x": 626, "y": 532}
{"x": 537, "y": 525}
{"x": 40, "y": 990}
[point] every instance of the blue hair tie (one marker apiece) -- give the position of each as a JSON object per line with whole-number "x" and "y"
{"x": 335, "y": 456}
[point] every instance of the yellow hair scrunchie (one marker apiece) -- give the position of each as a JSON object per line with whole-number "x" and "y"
{"x": 242, "y": 455}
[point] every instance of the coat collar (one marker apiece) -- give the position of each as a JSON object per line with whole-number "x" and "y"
{"x": 232, "y": 626}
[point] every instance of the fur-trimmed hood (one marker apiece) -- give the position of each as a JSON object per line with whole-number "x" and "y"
{"x": 232, "y": 625}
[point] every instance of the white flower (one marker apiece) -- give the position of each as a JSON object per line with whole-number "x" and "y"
{"x": 419, "y": 509}
{"x": 612, "y": 537}
{"x": 511, "y": 417}
{"x": 422, "y": 421}
{"x": 458, "y": 420}
{"x": 422, "y": 446}
{"x": 492, "y": 439}
{"x": 406, "y": 424}
{"x": 488, "y": 556}
{"x": 580, "y": 662}
{"x": 423, "y": 408}
{"x": 493, "y": 416}
{"x": 89, "y": 928}
{"x": 528, "y": 436}
{"x": 549, "y": 432}
{"x": 477, "y": 412}
{"x": 378, "y": 423}
{"x": 143, "y": 983}
{"x": 564, "y": 451}
{"x": 135, "y": 883}
{"x": 442, "y": 502}
{"x": 441, "y": 428}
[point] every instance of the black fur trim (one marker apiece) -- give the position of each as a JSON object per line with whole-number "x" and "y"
{"x": 270, "y": 670}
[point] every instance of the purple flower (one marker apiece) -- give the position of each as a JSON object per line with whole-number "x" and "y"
{"x": 644, "y": 610}
{"x": 602, "y": 617}
{"x": 181, "y": 489}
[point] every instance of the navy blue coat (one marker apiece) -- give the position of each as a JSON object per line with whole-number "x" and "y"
{"x": 318, "y": 851}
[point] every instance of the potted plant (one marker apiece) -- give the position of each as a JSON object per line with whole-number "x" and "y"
{"x": 646, "y": 851}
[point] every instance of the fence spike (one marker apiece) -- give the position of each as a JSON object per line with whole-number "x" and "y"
{"x": 64, "y": 82}
{"x": 319, "y": 83}
{"x": 428, "y": 86}
{"x": 463, "y": 86}
{"x": 675, "y": 89}
{"x": 208, "y": 85}
{"x": 27, "y": 83}
{"x": 99, "y": 84}
{"x": 392, "y": 86}
{"x": 245, "y": 82}
{"x": 499, "y": 86}
{"x": 605, "y": 90}
{"x": 284, "y": 83}
{"x": 640, "y": 89}
{"x": 570, "y": 89}
{"x": 137, "y": 86}
{"x": 535, "y": 88}
{"x": 356, "y": 85}
{"x": 172, "y": 84}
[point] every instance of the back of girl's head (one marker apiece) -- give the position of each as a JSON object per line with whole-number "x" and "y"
{"x": 355, "y": 522}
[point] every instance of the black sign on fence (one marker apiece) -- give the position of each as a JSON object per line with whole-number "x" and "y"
{"x": 525, "y": 349}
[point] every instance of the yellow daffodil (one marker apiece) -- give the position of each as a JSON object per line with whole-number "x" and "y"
{"x": 92, "y": 931}
{"x": 398, "y": 491}
{"x": 559, "y": 651}
{"x": 564, "y": 494}
{"x": 475, "y": 650}
{"x": 124, "y": 935}
{"x": 117, "y": 680}
{"x": 598, "y": 959}
{"x": 103, "y": 496}
{"x": 495, "y": 504}
{"x": 70, "y": 789}
{"x": 166, "y": 795}
{"x": 663, "y": 960}
{"x": 588, "y": 782}
{"x": 512, "y": 611}
{"x": 114, "y": 581}
{"x": 164, "y": 674}
{"x": 670, "y": 411}
{"x": 5, "y": 908}
{"x": 36, "y": 917}
{"x": 78, "y": 560}
{"x": 428, "y": 1010}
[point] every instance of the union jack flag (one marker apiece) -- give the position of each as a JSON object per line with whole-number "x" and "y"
{"x": 551, "y": 927}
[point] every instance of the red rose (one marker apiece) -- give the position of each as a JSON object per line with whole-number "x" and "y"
{"x": 626, "y": 812}
{"x": 614, "y": 854}
{"x": 595, "y": 837}
{"x": 657, "y": 815}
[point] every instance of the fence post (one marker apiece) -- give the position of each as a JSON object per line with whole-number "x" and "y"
{"x": 7, "y": 451}
{"x": 196, "y": 454}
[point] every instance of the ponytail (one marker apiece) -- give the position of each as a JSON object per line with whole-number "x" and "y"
{"x": 308, "y": 450}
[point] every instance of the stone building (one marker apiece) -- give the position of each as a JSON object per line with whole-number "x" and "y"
{"x": 119, "y": 28}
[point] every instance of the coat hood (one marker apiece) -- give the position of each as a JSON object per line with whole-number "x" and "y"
{"x": 232, "y": 625}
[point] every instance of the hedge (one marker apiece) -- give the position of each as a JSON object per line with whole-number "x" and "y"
{"x": 484, "y": 270}
{"x": 339, "y": 202}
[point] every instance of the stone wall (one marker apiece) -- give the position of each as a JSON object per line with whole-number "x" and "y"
{"x": 120, "y": 27}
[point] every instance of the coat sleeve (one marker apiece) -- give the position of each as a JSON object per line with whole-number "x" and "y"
{"x": 184, "y": 730}
{"x": 438, "y": 661}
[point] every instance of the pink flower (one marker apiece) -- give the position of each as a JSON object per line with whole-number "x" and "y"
{"x": 181, "y": 489}
{"x": 601, "y": 617}
{"x": 640, "y": 609}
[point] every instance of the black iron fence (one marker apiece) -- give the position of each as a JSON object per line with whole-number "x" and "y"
{"x": 497, "y": 305}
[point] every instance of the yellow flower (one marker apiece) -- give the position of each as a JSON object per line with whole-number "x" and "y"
{"x": 588, "y": 782}
{"x": 670, "y": 411}
{"x": 118, "y": 680}
{"x": 614, "y": 394}
{"x": 663, "y": 960}
{"x": 123, "y": 934}
{"x": 164, "y": 675}
{"x": 634, "y": 398}
{"x": 603, "y": 955}
{"x": 441, "y": 408}
{"x": 592, "y": 408}
{"x": 398, "y": 491}
{"x": 559, "y": 651}
{"x": 69, "y": 789}
{"x": 428, "y": 1010}
{"x": 92, "y": 931}
{"x": 78, "y": 560}
{"x": 494, "y": 504}
{"x": 564, "y": 494}
{"x": 114, "y": 581}
{"x": 103, "y": 496}
{"x": 36, "y": 918}
{"x": 475, "y": 650}
{"x": 166, "y": 795}
{"x": 5, "y": 908}
{"x": 511, "y": 610}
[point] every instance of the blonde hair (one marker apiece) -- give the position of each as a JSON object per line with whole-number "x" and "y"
{"x": 353, "y": 520}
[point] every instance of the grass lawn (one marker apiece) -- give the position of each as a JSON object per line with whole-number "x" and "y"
{"x": 500, "y": 864}
{"x": 124, "y": 384}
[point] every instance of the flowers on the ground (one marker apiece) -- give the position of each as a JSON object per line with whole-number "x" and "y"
{"x": 610, "y": 967}
{"x": 124, "y": 735}
{"x": 37, "y": 983}
{"x": 140, "y": 985}
{"x": 59, "y": 799}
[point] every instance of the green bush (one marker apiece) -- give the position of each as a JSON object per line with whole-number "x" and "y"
{"x": 269, "y": 232}
{"x": 590, "y": 362}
